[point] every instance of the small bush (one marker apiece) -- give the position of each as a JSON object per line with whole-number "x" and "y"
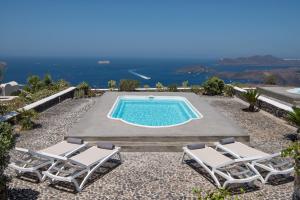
{"x": 7, "y": 142}
{"x": 84, "y": 86}
{"x": 214, "y": 86}
{"x": 3, "y": 108}
{"x": 79, "y": 94}
{"x": 159, "y": 86}
{"x": 128, "y": 85}
{"x": 228, "y": 91}
{"x": 146, "y": 86}
{"x": 197, "y": 89}
{"x": 26, "y": 117}
{"x": 112, "y": 84}
{"x": 34, "y": 83}
{"x": 172, "y": 88}
{"x": 185, "y": 84}
{"x": 270, "y": 79}
{"x": 47, "y": 80}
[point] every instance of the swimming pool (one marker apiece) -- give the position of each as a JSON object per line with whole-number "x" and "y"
{"x": 294, "y": 91}
{"x": 153, "y": 111}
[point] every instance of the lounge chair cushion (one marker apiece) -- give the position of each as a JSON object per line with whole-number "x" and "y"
{"x": 196, "y": 146}
{"x": 103, "y": 145}
{"x": 227, "y": 140}
{"x": 75, "y": 140}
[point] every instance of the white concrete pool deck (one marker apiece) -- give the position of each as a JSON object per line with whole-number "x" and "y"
{"x": 96, "y": 124}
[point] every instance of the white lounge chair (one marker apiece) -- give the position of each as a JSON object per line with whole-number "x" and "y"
{"x": 274, "y": 164}
{"x": 215, "y": 163}
{"x": 33, "y": 161}
{"x": 86, "y": 162}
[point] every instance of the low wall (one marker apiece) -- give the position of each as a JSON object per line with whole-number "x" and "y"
{"x": 42, "y": 104}
{"x": 269, "y": 105}
{"x": 48, "y": 102}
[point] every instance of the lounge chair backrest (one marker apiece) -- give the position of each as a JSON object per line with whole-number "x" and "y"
{"x": 60, "y": 149}
{"x": 245, "y": 151}
{"x": 211, "y": 157}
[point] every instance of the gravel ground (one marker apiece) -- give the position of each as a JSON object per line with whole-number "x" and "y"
{"x": 155, "y": 175}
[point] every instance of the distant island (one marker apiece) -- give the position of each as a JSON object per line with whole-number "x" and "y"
{"x": 198, "y": 69}
{"x": 283, "y": 76}
{"x": 266, "y": 60}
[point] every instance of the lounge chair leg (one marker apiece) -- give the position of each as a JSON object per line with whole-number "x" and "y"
{"x": 182, "y": 159}
{"x": 78, "y": 189}
{"x": 121, "y": 160}
{"x": 39, "y": 176}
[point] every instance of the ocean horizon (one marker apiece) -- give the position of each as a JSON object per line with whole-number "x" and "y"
{"x": 148, "y": 71}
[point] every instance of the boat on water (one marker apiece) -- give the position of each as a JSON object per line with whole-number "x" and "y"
{"x": 101, "y": 62}
{"x": 139, "y": 75}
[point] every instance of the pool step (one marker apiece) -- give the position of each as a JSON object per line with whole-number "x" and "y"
{"x": 157, "y": 144}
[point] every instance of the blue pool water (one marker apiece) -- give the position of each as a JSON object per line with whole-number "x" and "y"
{"x": 295, "y": 90}
{"x": 154, "y": 111}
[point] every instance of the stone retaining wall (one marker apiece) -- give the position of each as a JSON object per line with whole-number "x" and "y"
{"x": 269, "y": 105}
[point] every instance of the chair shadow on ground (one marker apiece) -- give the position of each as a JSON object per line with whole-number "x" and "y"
{"x": 249, "y": 111}
{"x": 232, "y": 188}
{"x": 15, "y": 193}
{"x": 98, "y": 174}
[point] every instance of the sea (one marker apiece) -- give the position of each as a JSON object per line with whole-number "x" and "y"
{"x": 148, "y": 71}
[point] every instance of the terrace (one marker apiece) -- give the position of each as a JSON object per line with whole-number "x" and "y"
{"x": 155, "y": 171}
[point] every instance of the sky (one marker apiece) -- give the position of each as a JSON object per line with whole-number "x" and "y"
{"x": 150, "y": 28}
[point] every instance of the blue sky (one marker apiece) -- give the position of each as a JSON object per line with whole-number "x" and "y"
{"x": 198, "y": 29}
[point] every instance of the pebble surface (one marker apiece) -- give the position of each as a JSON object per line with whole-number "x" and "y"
{"x": 149, "y": 175}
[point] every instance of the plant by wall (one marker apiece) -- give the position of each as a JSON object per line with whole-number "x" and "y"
{"x": 197, "y": 89}
{"x": 251, "y": 96}
{"x": 185, "y": 84}
{"x": 128, "y": 85}
{"x": 112, "y": 84}
{"x": 213, "y": 86}
{"x": 84, "y": 86}
{"x": 172, "y": 88}
{"x": 7, "y": 142}
{"x": 293, "y": 151}
{"x": 26, "y": 119}
{"x": 228, "y": 91}
{"x": 159, "y": 86}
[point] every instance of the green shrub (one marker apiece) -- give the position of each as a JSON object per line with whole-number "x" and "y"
{"x": 214, "y": 86}
{"x": 112, "y": 84}
{"x": 47, "y": 80}
{"x": 172, "y": 88}
{"x": 251, "y": 96}
{"x": 159, "y": 86}
{"x": 229, "y": 91}
{"x": 128, "y": 85}
{"x": 25, "y": 119}
{"x": 270, "y": 79}
{"x": 34, "y": 83}
{"x": 3, "y": 108}
{"x": 60, "y": 85}
{"x": 84, "y": 86}
{"x": 146, "y": 86}
{"x": 218, "y": 194}
{"x": 294, "y": 117}
{"x": 185, "y": 84}
{"x": 79, "y": 94}
{"x": 7, "y": 142}
{"x": 197, "y": 89}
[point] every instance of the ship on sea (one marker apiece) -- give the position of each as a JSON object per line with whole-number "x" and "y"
{"x": 101, "y": 62}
